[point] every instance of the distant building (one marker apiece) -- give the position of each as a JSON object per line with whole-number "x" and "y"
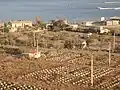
{"x": 99, "y": 23}
{"x": 112, "y": 22}
{"x": 102, "y": 19}
{"x": 115, "y": 18}
{"x": 21, "y": 23}
{"x": 74, "y": 26}
{"x": 88, "y": 23}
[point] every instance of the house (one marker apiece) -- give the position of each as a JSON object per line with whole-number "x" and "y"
{"x": 113, "y": 22}
{"x": 74, "y": 26}
{"x": 20, "y": 23}
{"x": 88, "y": 23}
{"x": 115, "y": 18}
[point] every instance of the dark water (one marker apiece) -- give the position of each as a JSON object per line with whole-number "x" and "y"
{"x": 50, "y": 9}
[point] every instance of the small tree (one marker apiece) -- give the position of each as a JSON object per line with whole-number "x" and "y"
{"x": 7, "y": 26}
{"x": 6, "y": 29}
{"x": 42, "y": 25}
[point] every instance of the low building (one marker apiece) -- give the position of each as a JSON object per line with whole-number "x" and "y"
{"x": 99, "y": 23}
{"x": 88, "y": 23}
{"x": 113, "y": 22}
{"x": 21, "y": 23}
{"x": 74, "y": 26}
{"x": 115, "y": 18}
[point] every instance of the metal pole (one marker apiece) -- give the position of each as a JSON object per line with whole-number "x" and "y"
{"x": 109, "y": 53}
{"x": 92, "y": 76}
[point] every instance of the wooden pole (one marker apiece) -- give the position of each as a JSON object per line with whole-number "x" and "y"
{"x": 109, "y": 53}
{"x": 37, "y": 45}
{"x": 92, "y": 76}
{"x": 114, "y": 41}
{"x": 34, "y": 39}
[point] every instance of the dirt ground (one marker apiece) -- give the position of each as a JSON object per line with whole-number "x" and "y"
{"x": 62, "y": 70}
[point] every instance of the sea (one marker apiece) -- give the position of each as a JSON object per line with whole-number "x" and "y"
{"x": 52, "y": 9}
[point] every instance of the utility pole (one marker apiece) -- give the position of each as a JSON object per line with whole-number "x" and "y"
{"x": 34, "y": 39}
{"x": 37, "y": 45}
{"x": 109, "y": 53}
{"x": 114, "y": 41}
{"x": 92, "y": 76}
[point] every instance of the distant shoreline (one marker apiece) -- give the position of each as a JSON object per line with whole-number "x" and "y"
{"x": 112, "y": 2}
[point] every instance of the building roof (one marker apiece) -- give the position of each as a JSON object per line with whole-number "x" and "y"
{"x": 115, "y": 18}
{"x": 21, "y": 21}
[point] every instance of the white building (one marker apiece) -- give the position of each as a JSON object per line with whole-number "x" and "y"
{"x": 74, "y": 26}
{"x": 88, "y": 23}
{"x": 102, "y": 19}
{"x": 21, "y": 23}
{"x": 112, "y": 22}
